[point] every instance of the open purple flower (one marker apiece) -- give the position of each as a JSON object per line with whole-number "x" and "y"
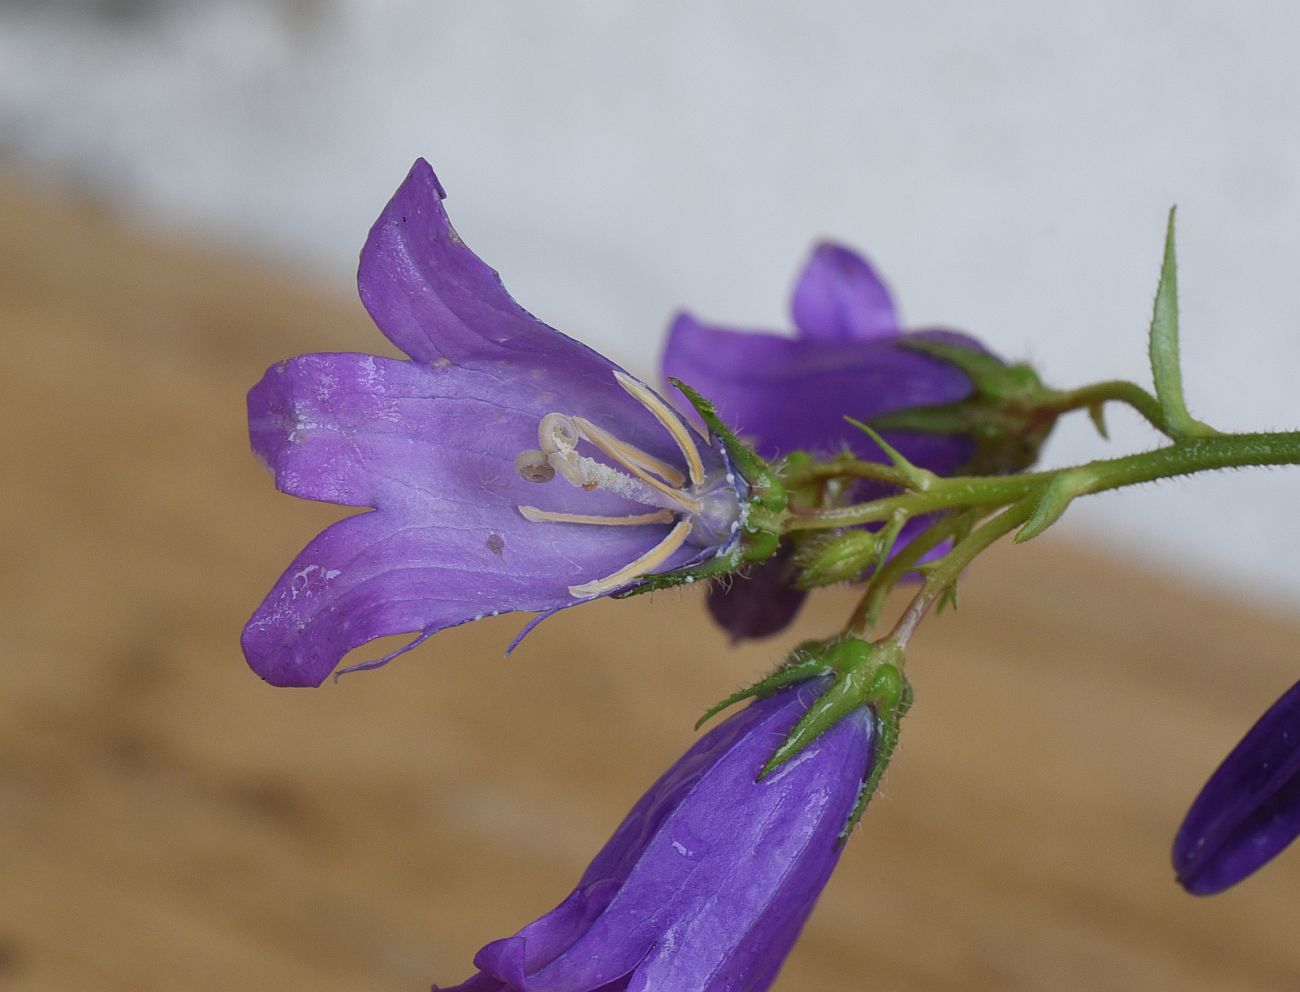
{"x": 506, "y": 466}
{"x": 1249, "y": 810}
{"x": 709, "y": 879}
{"x": 783, "y": 394}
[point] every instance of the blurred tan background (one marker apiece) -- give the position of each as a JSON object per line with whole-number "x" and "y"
{"x": 168, "y": 822}
{"x": 184, "y": 185}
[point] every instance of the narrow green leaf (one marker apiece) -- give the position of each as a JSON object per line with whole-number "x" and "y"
{"x": 1166, "y": 368}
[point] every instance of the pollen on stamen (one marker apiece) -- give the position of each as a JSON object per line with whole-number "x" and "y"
{"x": 556, "y": 433}
{"x": 532, "y": 466}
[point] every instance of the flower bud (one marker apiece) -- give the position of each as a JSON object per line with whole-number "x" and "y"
{"x": 1249, "y": 810}
{"x": 707, "y": 883}
{"x": 841, "y": 557}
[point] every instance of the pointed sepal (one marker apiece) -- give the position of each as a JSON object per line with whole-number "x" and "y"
{"x": 803, "y": 665}
{"x": 856, "y": 668}
{"x": 893, "y": 698}
{"x": 766, "y": 488}
{"x": 917, "y": 478}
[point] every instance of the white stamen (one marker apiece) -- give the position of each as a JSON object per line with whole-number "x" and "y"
{"x": 614, "y": 448}
{"x": 649, "y": 561}
{"x": 532, "y": 466}
{"x": 702, "y": 512}
{"x": 558, "y": 436}
{"x": 627, "y": 454}
{"x": 589, "y": 474}
{"x": 556, "y": 432}
{"x": 670, "y": 421}
{"x": 631, "y": 520}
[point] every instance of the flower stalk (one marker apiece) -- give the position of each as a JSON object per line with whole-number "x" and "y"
{"x": 1184, "y": 457}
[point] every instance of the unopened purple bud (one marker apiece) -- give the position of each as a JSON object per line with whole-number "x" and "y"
{"x": 1249, "y": 810}
{"x": 707, "y": 883}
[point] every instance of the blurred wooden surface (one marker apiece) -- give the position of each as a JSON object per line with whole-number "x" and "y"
{"x": 169, "y": 822}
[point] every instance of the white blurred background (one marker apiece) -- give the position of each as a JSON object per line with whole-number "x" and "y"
{"x": 1007, "y": 165}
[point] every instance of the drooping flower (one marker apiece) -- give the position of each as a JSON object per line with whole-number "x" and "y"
{"x": 708, "y": 881}
{"x": 1249, "y": 810}
{"x": 505, "y": 466}
{"x": 782, "y": 394}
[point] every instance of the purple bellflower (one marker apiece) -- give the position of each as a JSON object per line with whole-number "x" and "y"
{"x": 504, "y": 465}
{"x": 783, "y": 394}
{"x": 1249, "y": 810}
{"x": 708, "y": 881}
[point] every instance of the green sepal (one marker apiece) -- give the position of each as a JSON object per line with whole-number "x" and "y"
{"x": 766, "y": 488}
{"x": 842, "y": 698}
{"x": 1162, "y": 344}
{"x": 918, "y": 478}
{"x": 855, "y": 665}
{"x": 862, "y": 675}
{"x": 758, "y": 543}
{"x": 720, "y": 564}
{"x": 894, "y": 699}
{"x": 801, "y": 666}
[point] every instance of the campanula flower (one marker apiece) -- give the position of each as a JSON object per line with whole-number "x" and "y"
{"x": 707, "y": 882}
{"x": 782, "y": 394}
{"x": 504, "y": 465}
{"x": 1249, "y": 810}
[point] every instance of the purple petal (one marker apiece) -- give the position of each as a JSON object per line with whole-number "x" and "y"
{"x": 712, "y": 890}
{"x": 369, "y": 431}
{"x": 1249, "y": 810}
{"x": 783, "y": 394}
{"x": 352, "y": 429}
{"x": 438, "y": 302}
{"x": 839, "y": 297}
{"x": 385, "y": 572}
{"x": 432, "y": 445}
{"x": 708, "y": 880}
{"x": 544, "y": 940}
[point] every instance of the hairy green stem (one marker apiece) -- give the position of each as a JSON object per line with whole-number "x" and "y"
{"x": 1118, "y": 390}
{"x": 867, "y": 613}
{"x": 950, "y": 566}
{"x": 1184, "y": 457}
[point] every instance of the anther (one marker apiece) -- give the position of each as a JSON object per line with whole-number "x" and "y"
{"x": 532, "y": 466}
{"x": 668, "y": 419}
{"x": 557, "y": 434}
{"x": 648, "y": 562}
{"x": 630, "y": 520}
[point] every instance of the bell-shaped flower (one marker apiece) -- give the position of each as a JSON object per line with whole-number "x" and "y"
{"x": 849, "y": 357}
{"x": 504, "y": 465}
{"x": 1249, "y": 810}
{"x": 708, "y": 881}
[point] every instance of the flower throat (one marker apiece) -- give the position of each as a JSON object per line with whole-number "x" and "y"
{"x": 702, "y": 507}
